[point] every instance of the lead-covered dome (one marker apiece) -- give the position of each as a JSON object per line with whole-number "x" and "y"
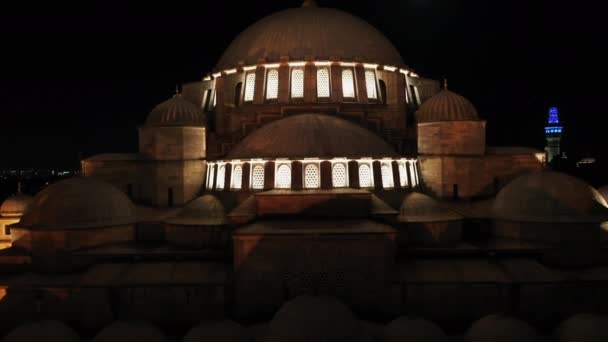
{"x": 311, "y": 136}
{"x": 44, "y": 330}
{"x": 78, "y": 203}
{"x": 408, "y": 329}
{"x": 176, "y": 111}
{"x": 310, "y": 32}
{"x": 550, "y": 197}
{"x": 15, "y": 206}
{"x": 501, "y": 328}
{"x": 447, "y": 106}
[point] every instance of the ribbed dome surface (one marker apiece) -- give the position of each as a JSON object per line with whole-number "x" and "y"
{"x": 78, "y": 203}
{"x": 310, "y": 31}
{"x": 499, "y": 328}
{"x": 420, "y": 330}
{"x": 311, "y": 136}
{"x": 205, "y": 210}
{"x": 176, "y": 112}
{"x": 583, "y": 327}
{"x": 14, "y": 206}
{"x": 550, "y": 197}
{"x": 417, "y": 207}
{"x": 54, "y": 331}
{"x": 221, "y": 331}
{"x": 446, "y": 106}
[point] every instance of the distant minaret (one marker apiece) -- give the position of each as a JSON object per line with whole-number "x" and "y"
{"x": 553, "y": 134}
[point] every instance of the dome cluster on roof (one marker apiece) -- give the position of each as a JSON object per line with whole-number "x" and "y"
{"x": 14, "y": 206}
{"x": 42, "y": 331}
{"x": 550, "y": 197}
{"x": 446, "y": 106}
{"x": 407, "y": 329}
{"x": 583, "y": 327}
{"x": 418, "y": 207}
{"x": 203, "y": 211}
{"x": 78, "y": 203}
{"x": 311, "y": 136}
{"x": 500, "y": 328}
{"x": 310, "y": 32}
{"x": 176, "y": 112}
{"x": 220, "y": 331}
{"x": 130, "y": 331}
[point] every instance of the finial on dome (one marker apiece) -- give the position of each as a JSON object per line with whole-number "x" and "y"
{"x": 445, "y": 83}
{"x": 18, "y": 188}
{"x": 309, "y": 3}
{"x": 177, "y": 92}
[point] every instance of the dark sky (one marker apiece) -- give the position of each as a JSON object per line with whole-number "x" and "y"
{"x": 78, "y": 79}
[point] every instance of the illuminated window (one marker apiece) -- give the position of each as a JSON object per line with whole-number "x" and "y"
{"x": 387, "y": 176}
{"x": 272, "y": 85}
{"x": 417, "y": 181}
{"x": 283, "y": 177}
{"x": 237, "y": 177}
{"x": 370, "y": 82}
{"x": 221, "y": 175}
{"x": 338, "y": 176}
{"x": 257, "y": 177}
{"x": 311, "y": 176}
{"x": 211, "y": 176}
{"x": 412, "y": 174}
{"x": 365, "y": 176}
{"x": 214, "y": 99}
{"x": 249, "y": 87}
{"x": 403, "y": 175}
{"x": 297, "y": 83}
{"x": 323, "y": 82}
{"x": 348, "y": 83}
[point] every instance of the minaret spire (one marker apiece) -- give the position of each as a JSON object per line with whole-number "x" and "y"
{"x": 18, "y": 188}
{"x": 445, "y": 83}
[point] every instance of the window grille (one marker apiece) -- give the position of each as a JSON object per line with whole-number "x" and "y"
{"x": 237, "y": 177}
{"x": 348, "y": 83}
{"x": 311, "y": 176}
{"x": 283, "y": 177}
{"x": 370, "y": 82}
{"x": 338, "y": 176}
{"x": 323, "y": 87}
{"x": 297, "y": 83}
{"x": 221, "y": 175}
{"x": 365, "y": 176}
{"x": 272, "y": 85}
{"x": 257, "y": 177}
{"x": 250, "y": 87}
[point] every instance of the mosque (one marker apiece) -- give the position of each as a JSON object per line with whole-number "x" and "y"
{"x": 312, "y": 186}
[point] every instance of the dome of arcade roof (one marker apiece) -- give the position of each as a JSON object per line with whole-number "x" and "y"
{"x": 446, "y": 106}
{"x": 129, "y": 331}
{"x": 14, "y": 206}
{"x": 310, "y": 32}
{"x": 44, "y": 330}
{"x": 176, "y": 111}
{"x": 218, "y": 331}
{"x": 408, "y": 329}
{"x": 311, "y": 136}
{"x": 583, "y": 327}
{"x": 500, "y": 328}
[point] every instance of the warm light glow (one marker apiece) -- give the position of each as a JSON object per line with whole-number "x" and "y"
{"x": 370, "y": 66}
{"x": 283, "y": 176}
{"x": 311, "y": 176}
{"x": 339, "y": 176}
{"x": 297, "y": 64}
{"x": 370, "y": 82}
{"x": 237, "y": 177}
{"x": 257, "y": 177}
{"x": 323, "y": 88}
{"x": 413, "y": 74}
{"x": 348, "y": 83}
{"x": 323, "y": 63}
{"x": 249, "y": 68}
{"x": 272, "y": 66}
{"x": 387, "y": 176}
{"x": 211, "y": 176}
{"x": 402, "y": 175}
{"x": 217, "y": 74}
{"x": 231, "y": 71}
{"x": 2, "y": 292}
{"x": 207, "y": 78}
{"x": 348, "y": 64}
{"x": 250, "y": 87}
{"x": 404, "y": 71}
{"x": 389, "y": 68}
{"x": 272, "y": 85}
{"x": 365, "y": 176}
{"x": 297, "y": 83}
{"x": 221, "y": 177}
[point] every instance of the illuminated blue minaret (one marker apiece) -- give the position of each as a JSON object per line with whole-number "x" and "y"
{"x": 553, "y": 133}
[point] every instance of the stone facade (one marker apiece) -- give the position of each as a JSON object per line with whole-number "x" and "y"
{"x": 169, "y": 183}
{"x": 452, "y": 138}
{"x": 121, "y": 173}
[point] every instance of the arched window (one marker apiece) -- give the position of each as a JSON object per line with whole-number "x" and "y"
{"x": 257, "y": 177}
{"x": 365, "y": 176}
{"x": 283, "y": 177}
{"x": 348, "y": 83}
{"x": 249, "y": 87}
{"x": 237, "y": 177}
{"x": 387, "y": 176}
{"x": 402, "y": 175}
{"x": 413, "y": 182}
{"x": 338, "y": 176}
{"x": 211, "y": 176}
{"x": 272, "y": 85}
{"x": 323, "y": 88}
{"x": 311, "y": 176}
{"x": 221, "y": 175}
{"x": 297, "y": 83}
{"x": 370, "y": 84}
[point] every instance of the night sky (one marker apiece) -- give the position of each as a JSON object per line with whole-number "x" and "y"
{"x": 78, "y": 79}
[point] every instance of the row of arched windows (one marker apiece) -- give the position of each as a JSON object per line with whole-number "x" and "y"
{"x": 311, "y": 174}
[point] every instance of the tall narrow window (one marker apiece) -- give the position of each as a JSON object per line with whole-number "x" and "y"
{"x": 338, "y": 176}
{"x": 257, "y": 177}
{"x": 365, "y": 176}
{"x": 297, "y": 83}
{"x": 311, "y": 176}
{"x": 387, "y": 176}
{"x": 211, "y": 176}
{"x": 283, "y": 177}
{"x": 237, "y": 177}
{"x": 221, "y": 175}
{"x": 348, "y": 83}
{"x": 272, "y": 85}
{"x": 323, "y": 83}
{"x": 249, "y": 87}
{"x": 383, "y": 93}
{"x": 402, "y": 175}
{"x": 370, "y": 83}
{"x": 412, "y": 174}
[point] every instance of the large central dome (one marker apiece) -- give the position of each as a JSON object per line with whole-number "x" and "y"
{"x": 310, "y": 31}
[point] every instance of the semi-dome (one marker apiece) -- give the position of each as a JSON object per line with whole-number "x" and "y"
{"x": 14, "y": 206}
{"x": 583, "y": 327}
{"x": 312, "y": 318}
{"x": 310, "y": 32}
{"x": 549, "y": 196}
{"x": 176, "y": 111}
{"x": 206, "y": 210}
{"x": 311, "y": 136}
{"x": 500, "y": 328}
{"x": 418, "y": 207}
{"x": 42, "y": 331}
{"x": 78, "y": 203}
{"x": 407, "y": 329}
{"x": 220, "y": 331}
{"x": 129, "y": 331}
{"x": 446, "y": 106}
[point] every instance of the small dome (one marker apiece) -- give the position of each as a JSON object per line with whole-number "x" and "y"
{"x": 499, "y": 328}
{"x": 14, "y": 206}
{"x": 311, "y": 136}
{"x": 129, "y": 331}
{"x": 221, "y": 331}
{"x": 176, "y": 112}
{"x": 548, "y": 196}
{"x": 42, "y": 331}
{"x": 604, "y": 192}
{"x": 417, "y": 207}
{"x": 203, "y": 211}
{"x": 447, "y": 106}
{"x": 583, "y": 327}
{"x": 78, "y": 203}
{"x": 406, "y": 329}
{"x": 311, "y": 318}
